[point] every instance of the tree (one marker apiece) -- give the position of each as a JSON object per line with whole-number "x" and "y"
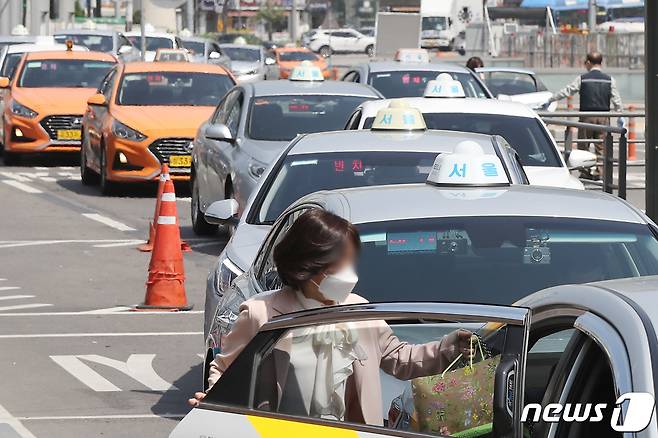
{"x": 273, "y": 16}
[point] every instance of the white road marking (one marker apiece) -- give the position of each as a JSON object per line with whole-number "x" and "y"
{"x": 40, "y": 167}
{"x": 102, "y": 417}
{"x": 23, "y": 306}
{"x": 65, "y": 167}
{"x": 14, "y": 297}
{"x": 108, "y": 311}
{"x": 14, "y": 176}
{"x": 96, "y": 335}
{"x": 3, "y": 288}
{"x": 107, "y": 221}
{"x": 19, "y": 243}
{"x": 118, "y": 244}
{"x": 86, "y": 312}
{"x": 21, "y": 186}
{"x": 48, "y": 179}
{"x": 65, "y": 173}
{"x": 14, "y": 423}
{"x": 184, "y": 199}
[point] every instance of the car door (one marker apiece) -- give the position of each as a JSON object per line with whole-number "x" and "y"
{"x": 338, "y": 41}
{"x": 276, "y": 387}
{"x": 97, "y": 116}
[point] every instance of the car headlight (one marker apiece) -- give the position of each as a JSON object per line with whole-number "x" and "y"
{"x": 22, "y": 110}
{"x": 225, "y": 272}
{"x": 126, "y": 132}
{"x": 256, "y": 169}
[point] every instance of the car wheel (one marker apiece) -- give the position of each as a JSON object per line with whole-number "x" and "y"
{"x": 88, "y": 176}
{"x": 106, "y": 185}
{"x": 11, "y": 158}
{"x": 199, "y": 224}
{"x": 370, "y": 50}
{"x": 325, "y": 51}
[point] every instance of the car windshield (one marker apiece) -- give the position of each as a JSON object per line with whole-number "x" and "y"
{"x": 242, "y": 54}
{"x": 297, "y": 56}
{"x": 9, "y": 67}
{"x": 394, "y": 84}
{"x": 281, "y": 118}
{"x": 525, "y": 134}
{"x": 173, "y": 88}
{"x": 300, "y": 175}
{"x": 97, "y": 43}
{"x": 195, "y": 47}
{"x": 152, "y": 43}
{"x": 511, "y": 83}
{"x": 434, "y": 23}
{"x": 485, "y": 259}
{"x": 63, "y": 73}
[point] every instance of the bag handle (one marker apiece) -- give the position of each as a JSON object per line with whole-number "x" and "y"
{"x": 479, "y": 344}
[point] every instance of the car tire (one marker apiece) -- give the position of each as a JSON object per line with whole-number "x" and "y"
{"x": 87, "y": 176}
{"x": 11, "y": 158}
{"x": 370, "y": 50}
{"x": 107, "y": 187}
{"x": 199, "y": 224}
{"x": 325, "y": 51}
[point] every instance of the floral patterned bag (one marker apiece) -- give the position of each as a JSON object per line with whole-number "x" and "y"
{"x": 458, "y": 402}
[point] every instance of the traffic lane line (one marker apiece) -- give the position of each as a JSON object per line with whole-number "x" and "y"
{"x": 22, "y": 186}
{"x": 108, "y": 221}
{"x": 9, "y": 424}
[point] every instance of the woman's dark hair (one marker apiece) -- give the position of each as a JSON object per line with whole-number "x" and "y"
{"x": 313, "y": 243}
{"x": 474, "y": 62}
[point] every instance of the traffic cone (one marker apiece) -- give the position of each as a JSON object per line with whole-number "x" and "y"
{"x": 164, "y": 176}
{"x": 165, "y": 287}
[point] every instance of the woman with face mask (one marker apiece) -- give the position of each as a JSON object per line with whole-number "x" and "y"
{"x": 316, "y": 261}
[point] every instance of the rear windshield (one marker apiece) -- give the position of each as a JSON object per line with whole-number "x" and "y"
{"x": 525, "y": 134}
{"x": 195, "y": 47}
{"x": 281, "y": 118}
{"x": 300, "y": 175}
{"x": 64, "y": 73}
{"x": 152, "y": 43}
{"x": 173, "y": 88}
{"x": 394, "y": 84}
{"x": 297, "y": 56}
{"x": 496, "y": 259}
{"x": 97, "y": 43}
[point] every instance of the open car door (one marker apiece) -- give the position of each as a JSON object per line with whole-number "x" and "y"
{"x": 420, "y": 383}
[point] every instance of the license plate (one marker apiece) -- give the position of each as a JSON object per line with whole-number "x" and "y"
{"x": 180, "y": 160}
{"x": 69, "y": 134}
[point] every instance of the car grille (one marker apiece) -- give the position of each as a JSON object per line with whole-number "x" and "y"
{"x": 166, "y": 147}
{"x": 52, "y": 123}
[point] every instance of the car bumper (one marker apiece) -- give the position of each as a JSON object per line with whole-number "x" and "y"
{"x": 29, "y": 136}
{"x": 143, "y": 162}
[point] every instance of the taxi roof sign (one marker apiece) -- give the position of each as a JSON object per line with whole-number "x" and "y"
{"x": 468, "y": 166}
{"x": 444, "y": 86}
{"x": 412, "y": 55}
{"x": 306, "y": 71}
{"x": 399, "y": 116}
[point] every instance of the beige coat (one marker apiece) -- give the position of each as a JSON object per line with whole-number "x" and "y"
{"x": 383, "y": 350}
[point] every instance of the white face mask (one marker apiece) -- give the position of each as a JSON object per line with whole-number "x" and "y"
{"x": 337, "y": 287}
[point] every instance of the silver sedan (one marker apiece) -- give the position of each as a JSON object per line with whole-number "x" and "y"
{"x": 250, "y": 127}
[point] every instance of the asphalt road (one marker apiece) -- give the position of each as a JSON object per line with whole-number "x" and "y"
{"x": 73, "y": 361}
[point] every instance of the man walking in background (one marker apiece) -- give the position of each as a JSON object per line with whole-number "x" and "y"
{"x": 598, "y": 92}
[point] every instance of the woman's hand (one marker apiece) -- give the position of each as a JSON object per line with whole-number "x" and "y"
{"x": 460, "y": 341}
{"x": 198, "y": 396}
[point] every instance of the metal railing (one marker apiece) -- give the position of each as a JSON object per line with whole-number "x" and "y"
{"x": 561, "y": 118}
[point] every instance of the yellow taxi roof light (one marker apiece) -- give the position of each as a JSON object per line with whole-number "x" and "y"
{"x": 444, "y": 86}
{"x": 467, "y": 166}
{"x": 399, "y": 116}
{"x": 306, "y": 71}
{"x": 412, "y": 55}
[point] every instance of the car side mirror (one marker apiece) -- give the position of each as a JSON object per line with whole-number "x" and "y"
{"x": 219, "y": 212}
{"x": 214, "y": 55}
{"x": 270, "y": 61}
{"x": 579, "y": 159}
{"x": 124, "y": 50}
{"x": 97, "y": 99}
{"x": 219, "y": 132}
{"x": 4, "y": 82}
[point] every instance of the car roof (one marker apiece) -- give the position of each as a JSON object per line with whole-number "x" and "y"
{"x": 416, "y": 201}
{"x": 240, "y": 46}
{"x": 383, "y": 66}
{"x": 505, "y": 69}
{"x": 470, "y": 105}
{"x": 66, "y": 54}
{"x": 29, "y": 48}
{"x": 106, "y": 32}
{"x": 366, "y": 140}
{"x": 287, "y": 87}
{"x": 151, "y": 34}
{"x": 139, "y": 67}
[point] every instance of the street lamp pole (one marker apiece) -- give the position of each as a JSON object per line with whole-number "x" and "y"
{"x": 651, "y": 107}
{"x": 591, "y": 15}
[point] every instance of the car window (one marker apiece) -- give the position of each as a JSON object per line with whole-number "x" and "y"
{"x": 525, "y": 134}
{"x": 233, "y": 114}
{"x": 97, "y": 43}
{"x": 355, "y": 118}
{"x": 509, "y": 83}
{"x": 281, "y": 118}
{"x": 447, "y": 395}
{"x": 152, "y": 43}
{"x": 219, "y": 115}
{"x": 297, "y": 55}
{"x": 11, "y": 62}
{"x": 108, "y": 85}
{"x": 394, "y": 84}
{"x": 242, "y": 54}
{"x": 195, "y": 47}
{"x": 497, "y": 259}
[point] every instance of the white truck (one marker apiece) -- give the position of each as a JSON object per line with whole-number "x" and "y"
{"x": 444, "y": 20}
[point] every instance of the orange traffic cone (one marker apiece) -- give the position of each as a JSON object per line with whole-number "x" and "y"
{"x": 164, "y": 176}
{"x": 165, "y": 287}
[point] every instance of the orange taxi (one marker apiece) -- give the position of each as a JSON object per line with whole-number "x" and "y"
{"x": 46, "y": 100}
{"x": 146, "y": 114}
{"x": 287, "y": 58}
